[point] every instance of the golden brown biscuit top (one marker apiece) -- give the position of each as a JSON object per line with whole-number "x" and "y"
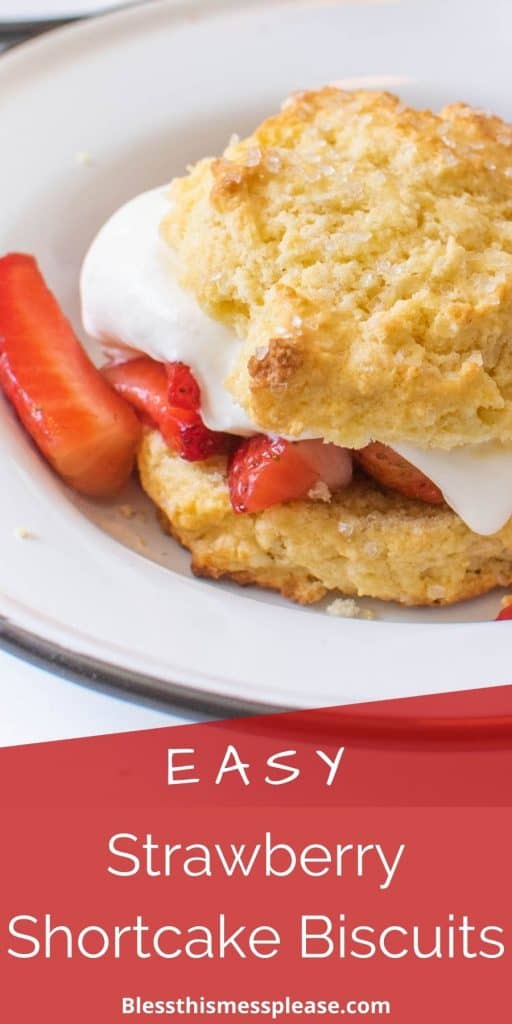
{"x": 363, "y": 251}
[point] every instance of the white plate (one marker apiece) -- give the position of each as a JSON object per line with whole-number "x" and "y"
{"x": 20, "y": 12}
{"x": 94, "y": 114}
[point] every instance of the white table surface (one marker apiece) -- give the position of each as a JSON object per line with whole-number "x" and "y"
{"x": 36, "y": 706}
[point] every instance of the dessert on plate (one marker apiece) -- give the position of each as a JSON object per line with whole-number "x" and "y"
{"x": 315, "y": 333}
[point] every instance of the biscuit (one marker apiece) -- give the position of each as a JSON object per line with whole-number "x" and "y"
{"x": 365, "y": 542}
{"x": 362, "y": 250}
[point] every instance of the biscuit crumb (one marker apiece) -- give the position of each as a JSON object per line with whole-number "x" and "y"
{"x": 435, "y": 592}
{"x": 347, "y": 608}
{"x": 320, "y": 492}
{"x": 127, "y": 511}
{"x": 506, "y": 601}
{"x": 22, "y": 533}
{"x": 84, "y": 159}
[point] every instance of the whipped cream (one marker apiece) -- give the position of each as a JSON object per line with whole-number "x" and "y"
{"x": 476, "y": 481}
{"x": 131, "y": 298}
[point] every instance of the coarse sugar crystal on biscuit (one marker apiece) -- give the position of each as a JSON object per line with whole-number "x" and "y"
{"x": 362, "y": 250}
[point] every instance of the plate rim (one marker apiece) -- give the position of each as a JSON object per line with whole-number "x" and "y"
{"x": 393, "y": 730}
{"x": 28, "y": 23}
{"x": 116, "y": 8}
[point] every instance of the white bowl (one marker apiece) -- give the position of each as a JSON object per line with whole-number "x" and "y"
{"x": 94, "y": 114}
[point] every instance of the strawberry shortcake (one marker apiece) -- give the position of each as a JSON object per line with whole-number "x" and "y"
{"x": 309, "y": 353}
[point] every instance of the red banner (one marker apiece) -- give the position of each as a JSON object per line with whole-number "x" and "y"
{"x": 352, "y": 862}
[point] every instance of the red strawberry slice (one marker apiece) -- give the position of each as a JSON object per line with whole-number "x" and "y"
{"x": 389, "y": 469}
{"x": 266, "y": 471}
{"x": 145, "y": 384}
{"x": 506, "y": 611}
{"x": 183, "y": 388}
{"x": 333, "y": 465}
{"x": 85, "y": 431}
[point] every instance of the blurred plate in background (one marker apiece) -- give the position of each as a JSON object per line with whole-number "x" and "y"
{"x": 20, "y": 13}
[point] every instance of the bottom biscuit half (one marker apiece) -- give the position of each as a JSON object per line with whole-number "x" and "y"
{"x": 364, "y": 542}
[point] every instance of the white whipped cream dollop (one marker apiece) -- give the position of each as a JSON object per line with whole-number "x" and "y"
{"x": 476, "y": 481}
{"x": 131, "y": 297}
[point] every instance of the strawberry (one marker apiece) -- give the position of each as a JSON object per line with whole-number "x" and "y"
{"x": 145, "y": 383}
{"x": 506, "y": 613}
{"x": 183, "y": 388}
{"x": 333, "y": 465}
{"x": 506, "y": 609}
{"x": 266, "y": 471}
{"x": 85, "y": 431}
{"x": 391, "y": 470}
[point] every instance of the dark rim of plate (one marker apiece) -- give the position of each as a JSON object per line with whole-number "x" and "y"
{"x": 116, "y": 680}
{"x": 19, "y": 31}
{"x": 160, "y": 694}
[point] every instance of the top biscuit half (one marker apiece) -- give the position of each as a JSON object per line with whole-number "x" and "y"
{"x": 362, "y": 250}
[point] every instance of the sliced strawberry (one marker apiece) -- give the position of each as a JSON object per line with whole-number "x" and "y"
{"x": 506, "y": 609}
{"x": 86, "y": 431}
{"x": 506, "y": 613}
{"x": 183, "y": 388}
{"x": 266, "y": 471}
{"x": 391, "y": 470}
{"x": 145, "y": 384}
{"x": 332, "y": 464}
